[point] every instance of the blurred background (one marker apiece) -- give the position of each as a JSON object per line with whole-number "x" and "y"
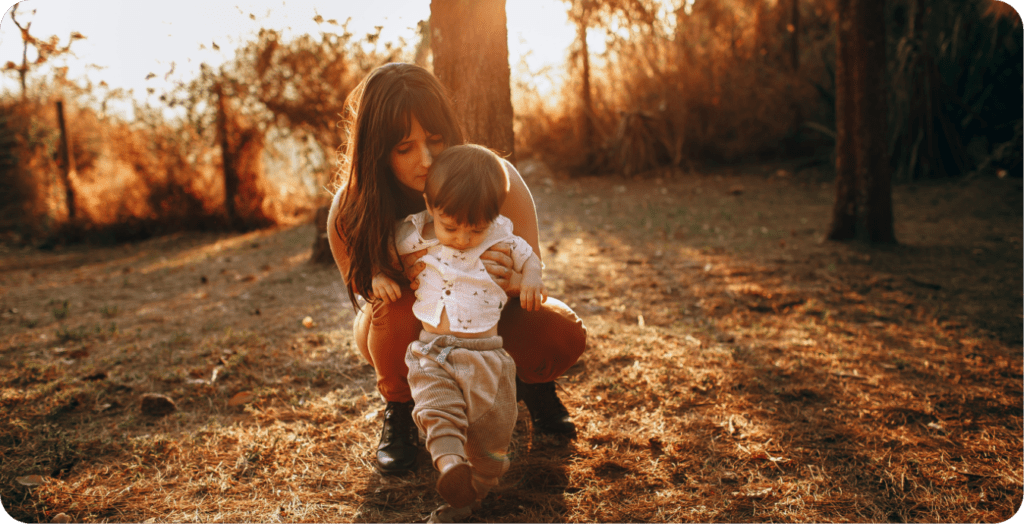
{"x": 124, "y": 120}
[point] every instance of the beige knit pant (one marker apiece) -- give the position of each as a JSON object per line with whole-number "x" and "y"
{"x": 465, "y": 394}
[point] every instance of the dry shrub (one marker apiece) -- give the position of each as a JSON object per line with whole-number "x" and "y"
{"x": 30, "y": 148}
{"x": 128, "y": 181}
{"x": 146, "y": 181}
{"x": 133, "y": 180}
{"x": 955, "y": 107}
{"x": 714, "y": 85}
{"x": 545, "y": 131}
{"x": 299, "y": 85}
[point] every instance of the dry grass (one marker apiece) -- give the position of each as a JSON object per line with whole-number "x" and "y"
{"x": 738, "y": 370}
{"x": 675, "y": 89}
{"x": 133, "y": 180}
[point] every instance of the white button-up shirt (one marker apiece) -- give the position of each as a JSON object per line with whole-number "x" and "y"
{"x": 456, "y": 280}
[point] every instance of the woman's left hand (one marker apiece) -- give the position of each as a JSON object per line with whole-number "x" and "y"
{"x": 412, "y": 266}
{"x": 498, "y": 261}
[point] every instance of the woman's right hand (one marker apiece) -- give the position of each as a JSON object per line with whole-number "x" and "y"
{"x": 498, "y": 262}
{"x": 412, "y": 266}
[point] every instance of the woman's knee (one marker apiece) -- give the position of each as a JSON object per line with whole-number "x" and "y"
{"x": 543, "y": 343}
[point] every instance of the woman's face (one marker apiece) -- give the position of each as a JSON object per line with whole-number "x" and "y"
{"x": 411, "y": 158}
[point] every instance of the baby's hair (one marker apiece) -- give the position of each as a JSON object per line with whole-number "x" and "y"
{"x": 468, "y": 183}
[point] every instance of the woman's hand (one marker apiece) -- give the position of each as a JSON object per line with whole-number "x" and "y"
{"x": 412, "y": 266}
{"x": 386, "y": 289}
{"x": 498, "y": 261}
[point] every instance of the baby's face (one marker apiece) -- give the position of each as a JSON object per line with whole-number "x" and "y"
{"x": 455, "y": 235}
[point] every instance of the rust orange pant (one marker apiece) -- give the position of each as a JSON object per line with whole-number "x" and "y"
{"x": 542, "y": 343}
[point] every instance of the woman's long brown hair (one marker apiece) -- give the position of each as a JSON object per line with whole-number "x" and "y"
{"x": 379, "y": 114}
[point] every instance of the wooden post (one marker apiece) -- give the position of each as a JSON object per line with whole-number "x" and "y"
{"x": 69, "y": 161}
{"x": 227, "y": 158}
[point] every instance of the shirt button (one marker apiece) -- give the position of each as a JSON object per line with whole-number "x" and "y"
{"x": 448, "y": 292}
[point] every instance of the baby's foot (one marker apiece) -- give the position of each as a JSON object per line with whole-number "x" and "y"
{"x": 446, "y": 513}
{"x": 456, "y": 484}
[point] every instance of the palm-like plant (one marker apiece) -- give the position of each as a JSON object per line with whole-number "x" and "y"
{"x": 956, "y": 90}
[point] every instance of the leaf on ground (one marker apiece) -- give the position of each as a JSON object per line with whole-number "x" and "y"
{"x": 30, "y": 480}
{"x": 241, "y": 398}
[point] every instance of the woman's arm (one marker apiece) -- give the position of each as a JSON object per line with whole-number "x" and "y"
{"x": 337, "y": 243}
{"x": 521, "y": 210}
{"x": 334, "y": 238}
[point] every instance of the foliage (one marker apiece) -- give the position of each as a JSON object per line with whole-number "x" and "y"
{"x": 162, "y": 171}
{"x": 956, "y": 73}
{"x": 692, "y": 82}
{"x": 133, "y": 179}
{"x": 713, "y": 81}
{"x": 289, "y": 88}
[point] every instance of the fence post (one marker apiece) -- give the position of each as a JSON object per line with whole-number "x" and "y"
{"x": 69, "y": 161}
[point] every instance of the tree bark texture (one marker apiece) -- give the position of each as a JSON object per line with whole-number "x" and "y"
{"x": 469, "y": 41}
{"x": 863, "y": 205}
{"x": 844, "y": 210}
{"x": 870, "y": 99}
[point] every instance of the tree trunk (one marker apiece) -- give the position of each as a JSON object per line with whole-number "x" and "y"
{"x": 230, "y": 175}
{"x": 863, "y": 206}
{"x": 321, "y": 246}
{"x": 587, "y": 118}
{"x": 69, "y": 161}
{"x": 469, "y": 41}
{"x": 873, "y": 171}
{"x": 844, "y": 210}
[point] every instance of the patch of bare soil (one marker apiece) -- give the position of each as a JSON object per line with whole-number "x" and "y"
{"x": 738, "y": 368}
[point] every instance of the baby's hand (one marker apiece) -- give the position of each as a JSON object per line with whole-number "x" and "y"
{"x": 386, "y": 289}
{"x": 532, "y": 294}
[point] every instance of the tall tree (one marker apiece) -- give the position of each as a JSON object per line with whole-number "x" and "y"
{"x": 863, "y": 205}
{"x": 230, "y": 171}
{"x": 580, "y": 13}
{"x": 469, "y": 41}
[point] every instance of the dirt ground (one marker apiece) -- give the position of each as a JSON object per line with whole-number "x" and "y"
{"x": 738, "y": 368}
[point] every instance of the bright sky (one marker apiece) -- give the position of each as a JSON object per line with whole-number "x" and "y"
{"x": 128, "y": 39}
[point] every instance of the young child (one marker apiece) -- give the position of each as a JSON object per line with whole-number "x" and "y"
{"x": 462, "y": 381}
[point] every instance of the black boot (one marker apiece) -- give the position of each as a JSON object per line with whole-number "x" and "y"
{"x": 546, "y": 411}
{"x": 397, "y": 450}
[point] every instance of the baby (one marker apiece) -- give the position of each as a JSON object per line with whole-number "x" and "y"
{"x": 462, "y": 381}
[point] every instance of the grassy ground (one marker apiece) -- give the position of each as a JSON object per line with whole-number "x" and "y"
{"x": 738, "y": 369}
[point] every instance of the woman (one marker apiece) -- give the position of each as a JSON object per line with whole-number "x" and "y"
{"x": 398, "y": 119}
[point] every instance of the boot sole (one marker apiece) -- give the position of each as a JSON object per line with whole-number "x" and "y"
{"x": 456, "y": 485}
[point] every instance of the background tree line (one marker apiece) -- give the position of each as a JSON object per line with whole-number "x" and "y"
{"x": 679, "y": 84}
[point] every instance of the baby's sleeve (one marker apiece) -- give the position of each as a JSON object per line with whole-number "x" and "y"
{"x": 521, "y": 252}
{"x": 405, "y": 237}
